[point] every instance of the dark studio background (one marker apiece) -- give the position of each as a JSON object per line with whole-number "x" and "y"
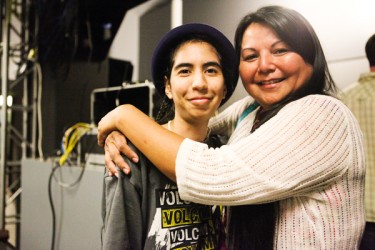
{"x": 74, "y": 38}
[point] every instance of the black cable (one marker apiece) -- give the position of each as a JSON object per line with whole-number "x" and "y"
{"x": 52, "y": 206}
{"x": 74, "y": 183}
{"x": 64, "y": 185}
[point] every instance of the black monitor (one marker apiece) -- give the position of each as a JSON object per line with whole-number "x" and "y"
{"x": 141, "y": 95}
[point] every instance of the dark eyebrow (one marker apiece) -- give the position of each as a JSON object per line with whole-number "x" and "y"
{"x": 189, "y": 65}
{"x": 215, "y": 64}
{"x": 276, "y": 43}
{"x": 183, "y": 65}
{"x": 273, "y": 45}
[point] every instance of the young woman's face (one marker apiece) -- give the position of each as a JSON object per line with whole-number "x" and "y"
{"x": 196, "y": 83}
{"x": 269, "y": 69}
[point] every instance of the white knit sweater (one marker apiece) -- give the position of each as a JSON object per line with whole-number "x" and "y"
{"x": 309, "y": 157}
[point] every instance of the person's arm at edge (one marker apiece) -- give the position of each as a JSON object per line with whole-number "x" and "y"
{"x": 160, "y": 145}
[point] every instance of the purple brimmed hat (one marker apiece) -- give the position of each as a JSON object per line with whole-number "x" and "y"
{"x": 173, "y": 38}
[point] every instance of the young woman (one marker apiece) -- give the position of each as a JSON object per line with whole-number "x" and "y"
{"x": 194, "y": 69}
{"x": 293, "y": 168}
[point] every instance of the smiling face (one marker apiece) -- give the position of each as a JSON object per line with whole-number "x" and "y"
{"x": 196, "y": 83}
{"x": 269, "y": 69}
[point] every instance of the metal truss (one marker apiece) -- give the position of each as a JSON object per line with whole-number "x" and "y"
{"x": 20, "y": 84}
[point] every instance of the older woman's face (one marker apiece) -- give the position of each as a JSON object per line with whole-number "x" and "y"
{"x": 269, "y": 69}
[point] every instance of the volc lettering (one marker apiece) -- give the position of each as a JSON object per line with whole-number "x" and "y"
{"x": 170, "y": 197}
{"x": 181, "y": 236}
{"x": 162, "y": 198}
{"x": 195, "y": 233}
{"x": 194, "y": 215}
{"x": 180, "y": 216}
{"x": 167, "y": 217}
{"x": 184, "y": 234}
{"x": 183, "y": 217}
{"x": 173, "y": 236}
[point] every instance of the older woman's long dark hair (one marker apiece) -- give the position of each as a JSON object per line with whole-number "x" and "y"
{"x": 253, "y": 226}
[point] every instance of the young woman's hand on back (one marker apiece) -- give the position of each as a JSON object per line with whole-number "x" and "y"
{"x": 116, "y": 147}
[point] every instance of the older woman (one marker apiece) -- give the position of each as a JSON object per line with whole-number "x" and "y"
{"x": 294, "y": 151}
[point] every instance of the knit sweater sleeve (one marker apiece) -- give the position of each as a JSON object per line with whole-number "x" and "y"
{"x": 307, "y": 145}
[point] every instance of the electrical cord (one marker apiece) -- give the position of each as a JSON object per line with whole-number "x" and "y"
{"x": 52, "y": 206}
{"x": 70, "y": 139}
{"x": 74, "y": 183}
{"x": 39, "y": 109}
{"x": 64, "y": 185}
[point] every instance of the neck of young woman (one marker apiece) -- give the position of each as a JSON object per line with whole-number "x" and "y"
{"x": 194, "y": 130}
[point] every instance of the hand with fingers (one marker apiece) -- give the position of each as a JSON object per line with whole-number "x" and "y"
{"x": 115, "y": 144}
{"x": 115, "y": 147}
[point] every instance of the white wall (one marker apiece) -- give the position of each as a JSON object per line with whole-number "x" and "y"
{"x": 126, "y": 44}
